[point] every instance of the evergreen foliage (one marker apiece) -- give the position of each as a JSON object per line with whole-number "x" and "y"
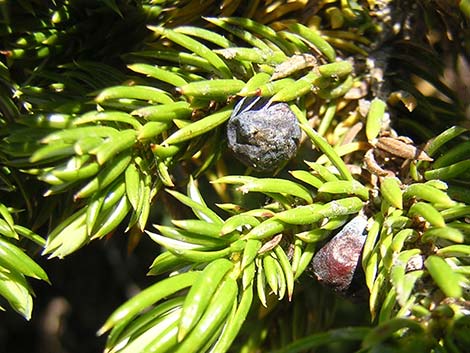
{"x": 116, "y": 111}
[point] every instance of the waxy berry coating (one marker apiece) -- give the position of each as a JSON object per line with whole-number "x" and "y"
{"x": 264, "y": 139}
{"x": 335, "y": 263}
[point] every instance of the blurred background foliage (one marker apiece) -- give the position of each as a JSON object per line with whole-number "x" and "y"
{"x": 113, "y": 126}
